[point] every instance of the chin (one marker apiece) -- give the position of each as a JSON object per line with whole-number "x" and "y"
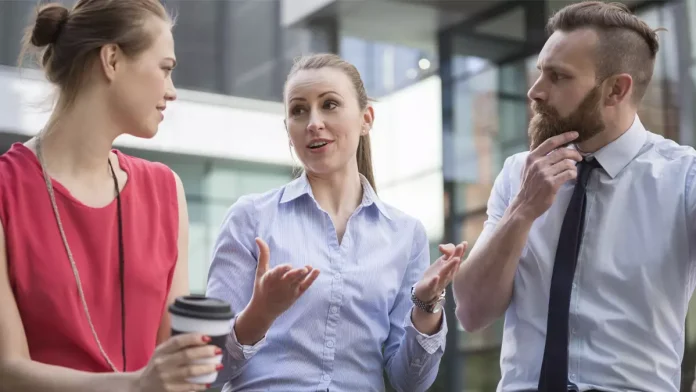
{"x": 145, "y": 132}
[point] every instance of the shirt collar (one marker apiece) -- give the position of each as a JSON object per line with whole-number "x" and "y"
{"x": 618, "y": 154}
{"x": 300, "y": 187}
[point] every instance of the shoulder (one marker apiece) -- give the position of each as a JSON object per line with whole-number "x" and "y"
{"x": 146, "y": 169}
{"x": 665, "y": 159}
{"x": 251, "y": 205}
{"x": 403, "y": 223}
{"x": 669, "y": 150}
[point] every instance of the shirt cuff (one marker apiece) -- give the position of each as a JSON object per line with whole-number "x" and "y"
{"x": 430, "y": 343}
{"x": 239, "y": 351}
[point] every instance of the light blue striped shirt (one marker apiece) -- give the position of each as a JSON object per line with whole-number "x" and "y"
{"x": 635, "y": 274}
{"x": 353, "y": 322}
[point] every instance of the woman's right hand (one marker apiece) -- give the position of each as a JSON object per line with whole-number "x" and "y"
{"x": 173, "y": 362}
{"x": 275, "y": 290}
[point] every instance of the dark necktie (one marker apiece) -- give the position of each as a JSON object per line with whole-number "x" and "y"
{"x": 554, "y": 367}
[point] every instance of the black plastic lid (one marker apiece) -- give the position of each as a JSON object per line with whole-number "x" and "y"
{"x": 201, "y": 307}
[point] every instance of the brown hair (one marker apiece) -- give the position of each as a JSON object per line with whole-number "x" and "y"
{"x": 68, "y": 41}
{"x": 626, "y": 43}
{"x": 323, "y": 60}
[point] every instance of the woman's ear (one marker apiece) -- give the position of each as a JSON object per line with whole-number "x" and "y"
{"x": 368, "y": 120}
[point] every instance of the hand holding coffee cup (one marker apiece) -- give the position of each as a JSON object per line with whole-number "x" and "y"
{"x": 174, "y": 363}
{"x": 275, "y": 290}
{"x": 207, "y": 316}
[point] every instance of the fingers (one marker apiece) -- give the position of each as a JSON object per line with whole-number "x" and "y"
{"x": 264, "y": 257}
{"x": 192, "y": 370}
{"x": 187, "y": 356}
{"x": 553, "y": 143}
{"x": 563, "y": 154}
{"x": 565, "y": 176}
{"x": 562, "y": 166}
{"x": 447, "y": 249}
{"x": 311, "y": 277}
{"x": 294, "y": 276}
{"x": 187, "y": 387}
{"x": 180, "y": 342}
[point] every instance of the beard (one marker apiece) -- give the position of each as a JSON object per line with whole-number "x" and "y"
{"x": 586, "y": 120}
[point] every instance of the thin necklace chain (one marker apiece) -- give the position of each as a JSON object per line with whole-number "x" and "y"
{"x": 80, "y": 291}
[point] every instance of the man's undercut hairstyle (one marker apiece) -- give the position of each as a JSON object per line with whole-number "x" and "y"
{"x": 626, "y": 43}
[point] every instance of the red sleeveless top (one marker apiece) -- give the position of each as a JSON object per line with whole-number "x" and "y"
{"x": 41, "y": 277}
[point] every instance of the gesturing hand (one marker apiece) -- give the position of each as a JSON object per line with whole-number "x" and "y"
{"x": 275, "y": 290}
{"x": 547, "y": 168}
{"x": 440, "y": 273}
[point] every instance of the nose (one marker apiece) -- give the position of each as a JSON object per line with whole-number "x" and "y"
{"x": 170, "y": 92}
{"x": 537, "y": 92}
{"x": 316, "y": 121}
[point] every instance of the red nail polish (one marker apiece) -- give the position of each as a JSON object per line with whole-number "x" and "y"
{"x": 206, "y": 339}
{"x": 218, "y": 351}
{"x": 219, "y": 367}
{"x": 208, "y": 385}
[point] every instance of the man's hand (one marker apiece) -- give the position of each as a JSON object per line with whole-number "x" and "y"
{"x": 547, "y": 168}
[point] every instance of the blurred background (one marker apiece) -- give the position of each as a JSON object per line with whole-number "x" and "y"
{"x": 450, "y": 78}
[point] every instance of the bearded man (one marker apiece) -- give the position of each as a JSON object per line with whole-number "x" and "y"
{"x": 589, "y": 248}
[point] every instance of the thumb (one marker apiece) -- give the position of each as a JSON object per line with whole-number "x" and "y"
{"x": 264, "y": 257}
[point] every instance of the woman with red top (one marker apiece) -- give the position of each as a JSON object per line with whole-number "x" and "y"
{"x": 93, "y": 242}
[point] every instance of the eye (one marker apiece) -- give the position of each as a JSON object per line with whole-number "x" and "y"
{"x": 297, "y": 110}
{"x": 330, "y": 105}
{"x": 555, "y": 76}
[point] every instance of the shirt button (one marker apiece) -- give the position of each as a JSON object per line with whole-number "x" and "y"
{"x": 330, "y": 344}
{"x": 337, "y": 276}
{"x": 327, "y": 377}
{"x": 574, "y": 285}
{"x": 334, "y": 309}
{"x": 572, "y": 376}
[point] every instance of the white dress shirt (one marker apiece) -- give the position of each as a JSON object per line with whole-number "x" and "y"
{"x": 635, "y": 271}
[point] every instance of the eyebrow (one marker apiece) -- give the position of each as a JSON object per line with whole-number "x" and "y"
{"x": 555, "y": 68}
{"x": 320, "y": 95}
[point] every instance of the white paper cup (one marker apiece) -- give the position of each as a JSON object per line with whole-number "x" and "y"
{"x": 208, "y": 316}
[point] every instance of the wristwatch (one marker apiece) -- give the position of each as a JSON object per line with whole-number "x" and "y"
{"x": 429, "y": 307}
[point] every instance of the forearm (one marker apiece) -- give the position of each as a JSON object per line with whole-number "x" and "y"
{"x": 484, "y": 283}
{"x": 30, "y": 376}
{"x": 414, "y": 365}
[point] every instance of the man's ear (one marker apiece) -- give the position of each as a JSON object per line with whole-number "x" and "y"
{"x": 618, "y": 89}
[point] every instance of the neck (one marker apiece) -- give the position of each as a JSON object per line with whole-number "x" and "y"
{"x": 339, "y": 193}
{"x": 613, "y": 130}
{"x": 78, "y": 142}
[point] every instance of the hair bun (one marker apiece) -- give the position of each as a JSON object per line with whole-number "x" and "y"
{"x": 50, "y": 19}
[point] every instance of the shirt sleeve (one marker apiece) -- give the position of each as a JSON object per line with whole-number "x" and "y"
{"x": 690, "y": 189}
{"x": 498, "y": 201}
{"x": 412, "y": 358}
{"x": 231, "y": 278}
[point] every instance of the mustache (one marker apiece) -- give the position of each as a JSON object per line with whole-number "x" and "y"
{"x": 543, "y": 109}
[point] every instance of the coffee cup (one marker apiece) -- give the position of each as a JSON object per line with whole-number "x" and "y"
{"x": 205, "y": 315}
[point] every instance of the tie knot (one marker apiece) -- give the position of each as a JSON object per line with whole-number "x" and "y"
{"x": 585, "y": 167}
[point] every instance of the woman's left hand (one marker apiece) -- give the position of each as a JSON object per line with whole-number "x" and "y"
{"x": 440, "y": 273}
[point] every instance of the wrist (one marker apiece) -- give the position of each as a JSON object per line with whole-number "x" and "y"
{"x": 522, "y": 212}
{"x": 251, "y": 324}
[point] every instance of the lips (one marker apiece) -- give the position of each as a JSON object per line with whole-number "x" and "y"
{"x": 318, "y": 143}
